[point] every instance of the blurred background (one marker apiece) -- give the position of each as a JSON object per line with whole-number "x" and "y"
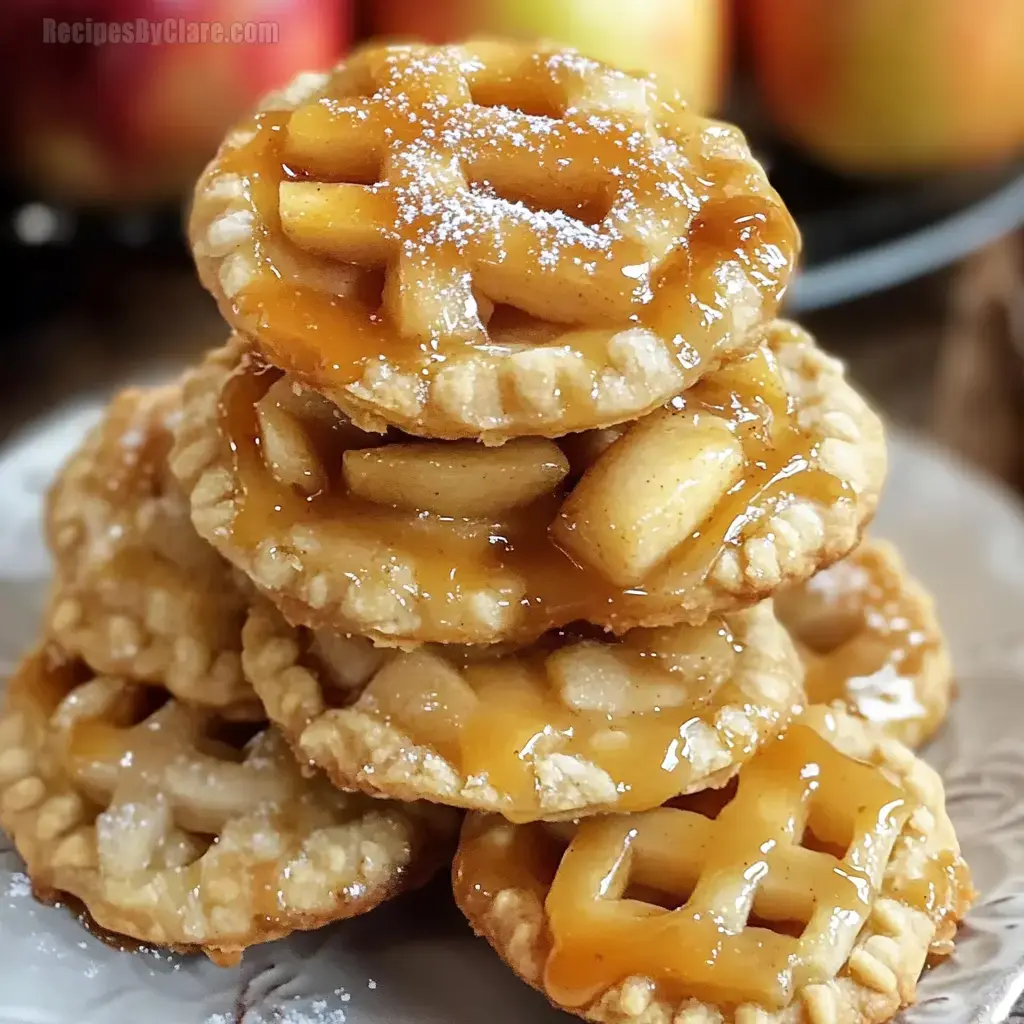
{"x": 893, "y": 128}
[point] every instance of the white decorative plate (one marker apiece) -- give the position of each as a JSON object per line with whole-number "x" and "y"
{"x": 415, "y": 962}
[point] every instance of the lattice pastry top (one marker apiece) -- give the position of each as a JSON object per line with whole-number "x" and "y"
{"x": 868, "y": 634}
{"x": 490, "y": 240}
{"x": 175, "y": 829}
{"x": 812, "y": 892}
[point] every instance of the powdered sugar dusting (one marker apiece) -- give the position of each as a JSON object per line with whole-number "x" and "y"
{"x": 494, "y": 198}
{"x": 298, "y": 1011}
{"x": 574, "y": 62}
{"x": 18, "y": 886}
{"x": 448, "y": 164}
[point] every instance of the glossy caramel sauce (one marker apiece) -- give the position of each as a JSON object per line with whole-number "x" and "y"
{"x": 584, "y": 220}
{"x": 636, "y": 710}
{"x": 866, "y": 634}
{"x": 453, "y": 558}
{"x": 752, "y": 905}
{"x": 495, "y": 855}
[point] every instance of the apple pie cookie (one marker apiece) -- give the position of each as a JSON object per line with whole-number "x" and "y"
{"x": 171, "y": 830}
{"x": 490, "y": 241}
{"x": 762, "y": 473}
{"x": 571, "y": 725}
{"x": 137, "y": 593}
{"x": 810, "y": 893}
{"x": 869, "y": 637}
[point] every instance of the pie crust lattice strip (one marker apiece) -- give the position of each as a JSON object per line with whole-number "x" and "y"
{"x": 762, "y": 473}
{"x": 573, "y": 725}
{"x": 813, "y": 892}
{"x": 490, "y": 241}
{"x": 170, "y": 832}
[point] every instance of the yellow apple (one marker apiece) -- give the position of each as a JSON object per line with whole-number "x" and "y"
{"x": 684, "y": 41}
{"x": 893, "y": 86}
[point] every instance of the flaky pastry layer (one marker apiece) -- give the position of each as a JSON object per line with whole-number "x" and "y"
{"x": 136, "y": 592}
{"x": 569, "y": 726}
{"x": 172, "y": 831}
{"x": 490, "y": 241}
{"x": 739, "y": 914}
{"x": 759, "y": 476}
{"x": 869, "y": 636}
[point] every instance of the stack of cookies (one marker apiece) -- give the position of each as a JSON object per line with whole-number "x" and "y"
{"x": 507, "y": 494}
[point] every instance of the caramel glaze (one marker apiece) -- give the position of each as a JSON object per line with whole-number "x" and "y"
{"x": 325, "y": 321}
{"x": 746, "y": 907}
{"x": 454, "y": 558}
{"x": 515, "y": 712}
{"x": 867, "y": 635}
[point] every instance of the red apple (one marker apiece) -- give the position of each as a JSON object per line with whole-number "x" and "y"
{"x": 101, "y": 120}
{"x": 681, "y": 40}
{"x": 893, "y": 86}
